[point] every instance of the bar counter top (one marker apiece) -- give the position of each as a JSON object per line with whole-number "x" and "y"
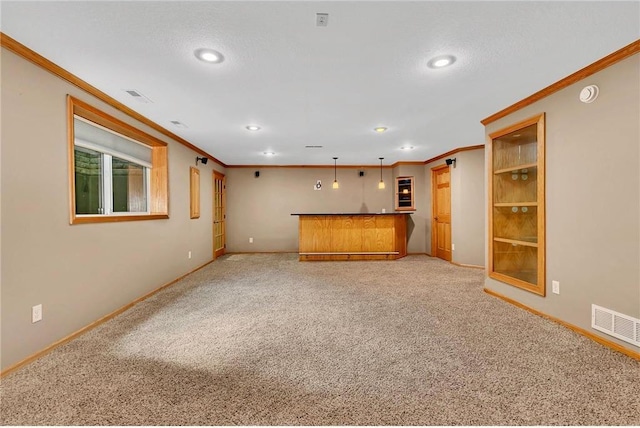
{"x": 349, "y": 214}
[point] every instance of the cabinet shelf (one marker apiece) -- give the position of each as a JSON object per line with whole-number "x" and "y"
{"x": 516, "y": 168}
{"x": 515, "y": 204}
{"x": 516, "y": 198}
{"x": 522, "y": 241}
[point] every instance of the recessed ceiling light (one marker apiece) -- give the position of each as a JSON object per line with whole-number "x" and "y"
{"x": 406, "y": 148}
{"x": 269, "y": 154}
{"x": 441, "y": 61}
{"x": 253, "y": 127}
{"x": 380, "y": 129}
{"x": 209, "y": 55}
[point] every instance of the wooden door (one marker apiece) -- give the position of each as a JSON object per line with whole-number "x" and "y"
{"x": 441, "y": 205}
{"x": 219, "y": 214}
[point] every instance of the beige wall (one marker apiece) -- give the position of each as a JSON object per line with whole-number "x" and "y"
{"x": 418, "y": 220}
{"x": 261, "y": 207}
{"x": 82, "y": 272}
{"x": 592, "y": 198}
{"x": 467, "y": 206}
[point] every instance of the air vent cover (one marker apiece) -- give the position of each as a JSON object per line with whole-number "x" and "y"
{"x": 616, "y": 324}
{"x": 179, "y": 124}
{"x": 138, "y": 96}
{"x": 313, "y": 147}
{"x": 322, "y": 19}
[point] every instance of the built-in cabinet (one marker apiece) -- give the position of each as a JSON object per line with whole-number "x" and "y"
{"x": 516, "y": 205}
{"x": 404, "y": 194}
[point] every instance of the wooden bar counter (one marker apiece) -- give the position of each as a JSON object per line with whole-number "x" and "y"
{"x": 352, "y": 236}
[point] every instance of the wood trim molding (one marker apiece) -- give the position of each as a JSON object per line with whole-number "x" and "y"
{"x": 394, "y": 165}
{"x": 453, "y": 152}
{"x": 595, "y": 338}
{"x": 261, "y": 252}
{"x": 607, "y": 61}
{"x": 37, "y": 59}
{"x": 93, "y": 325}
{"x": 467, "y": 266}
{"x": 117, "y": 218}
{"x": 315, "y": 166}
{"x": 407, "y": 163}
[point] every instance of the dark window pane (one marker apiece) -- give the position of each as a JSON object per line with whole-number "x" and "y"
{"x": 88, "y": 169}
{"x": 129, "y": 186}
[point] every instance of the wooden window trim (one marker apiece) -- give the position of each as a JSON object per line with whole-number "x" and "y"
{"x": 159, "y": 195}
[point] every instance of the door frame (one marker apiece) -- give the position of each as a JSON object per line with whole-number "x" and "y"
{"x": 434, "y": 185}
{"x": 218, "y": 175}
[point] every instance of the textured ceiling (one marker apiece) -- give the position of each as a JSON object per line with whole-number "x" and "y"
{"x": 328, "y": 86}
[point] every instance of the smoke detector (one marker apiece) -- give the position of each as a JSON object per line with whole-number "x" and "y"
{"x": 588, "y": 94}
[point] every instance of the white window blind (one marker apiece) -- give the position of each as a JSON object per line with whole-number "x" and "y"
{"x": 95, "y": 137}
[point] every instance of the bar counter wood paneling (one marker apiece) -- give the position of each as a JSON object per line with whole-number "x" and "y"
{"x": 356, "y": 236}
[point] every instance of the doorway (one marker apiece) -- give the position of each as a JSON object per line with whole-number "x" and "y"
{"x": 441, "y": 208}
{"x": 219, "y": 214}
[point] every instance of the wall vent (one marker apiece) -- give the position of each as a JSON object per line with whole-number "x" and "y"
{"x": 616, "y": 324}
{"x": 313, "y": 147}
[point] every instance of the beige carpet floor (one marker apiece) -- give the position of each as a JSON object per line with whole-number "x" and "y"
{"x": 267, "y": 340}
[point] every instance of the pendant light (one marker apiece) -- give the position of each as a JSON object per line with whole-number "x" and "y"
{"x": 335, "y": 177}
{"x": 381, "y": 184}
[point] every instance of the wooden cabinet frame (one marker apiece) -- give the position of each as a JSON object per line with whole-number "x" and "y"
{"x": 404, "y": 194}
{"x": 194, "y": 191}
{"x": 517, "y": 205}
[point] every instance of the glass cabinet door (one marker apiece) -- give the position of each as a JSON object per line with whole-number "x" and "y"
{"x": 516, "y": 223}
{"x": 404, "y": 194}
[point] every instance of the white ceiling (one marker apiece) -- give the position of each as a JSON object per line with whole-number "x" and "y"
{"x": 328, "y": 86}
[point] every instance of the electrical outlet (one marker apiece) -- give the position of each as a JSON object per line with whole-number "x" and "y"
{"x": 453, "y": 247}
{"x": 36, "y": 313}
{"x": 250, "y": 240}
{"x": 555, "y": 287}
{"x": 189, "y": 254}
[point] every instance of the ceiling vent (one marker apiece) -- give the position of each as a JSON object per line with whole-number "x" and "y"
{"x": 322, "y": 19}
{"x": 138, "y": 96}
{"x": 313, "y": 147}
{"x": 179, "y": 124}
